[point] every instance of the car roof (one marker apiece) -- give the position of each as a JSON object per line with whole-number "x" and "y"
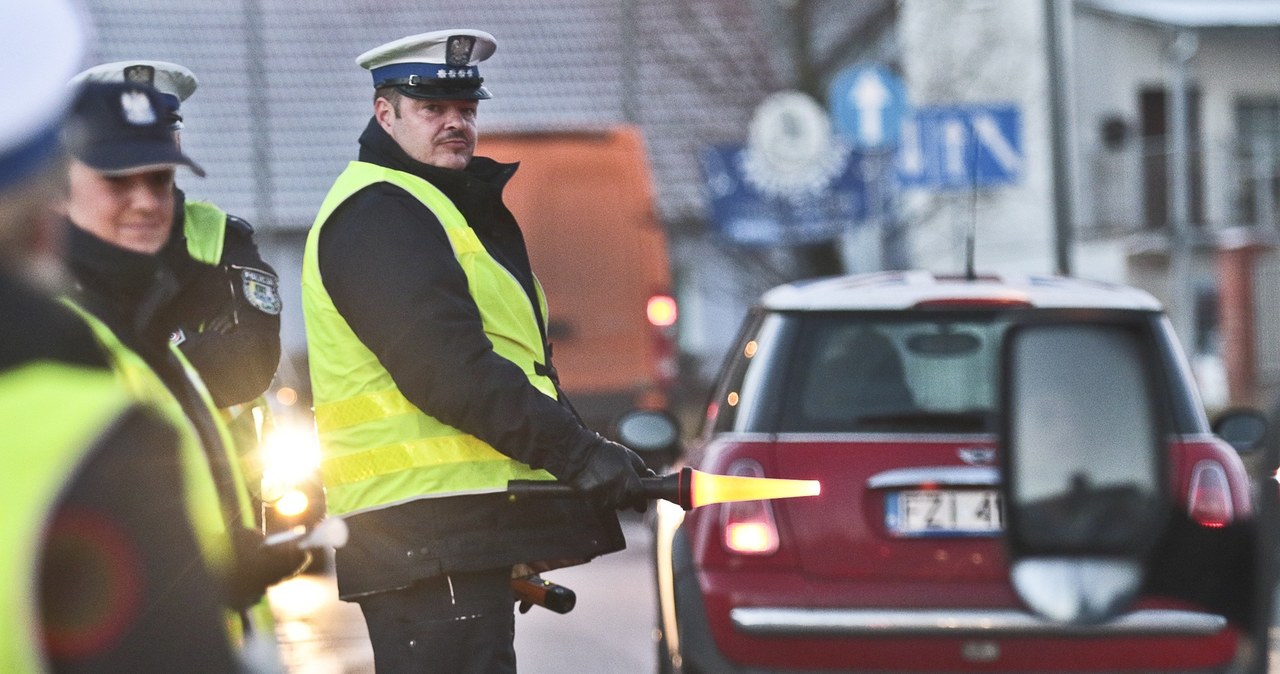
{"x": 907, "y": 289}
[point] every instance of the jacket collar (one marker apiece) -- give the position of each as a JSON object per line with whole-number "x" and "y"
{"x": 481, "y": 174}
{"x": 123, "y": 287}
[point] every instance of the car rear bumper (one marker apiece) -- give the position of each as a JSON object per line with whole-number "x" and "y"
{"x": 787, "y": 621}
{"x": 718, "y": 633}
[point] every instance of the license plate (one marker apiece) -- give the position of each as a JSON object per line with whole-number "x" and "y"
{"x": 939, "y": 512}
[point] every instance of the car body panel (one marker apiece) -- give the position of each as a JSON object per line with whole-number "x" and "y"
{"x": 842, "y": 591}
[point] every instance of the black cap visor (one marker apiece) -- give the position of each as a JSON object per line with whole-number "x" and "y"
{"x": 135, "y": 155}
{"x": 472, "y": 92}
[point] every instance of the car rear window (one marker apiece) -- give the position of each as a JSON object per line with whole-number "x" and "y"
{"x": 901, "y": 372}
{"x": 915, "y": 371}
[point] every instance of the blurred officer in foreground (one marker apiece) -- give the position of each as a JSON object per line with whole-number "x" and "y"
{"x": 226, "y": 313}
{"x": 100, "y": 570}
{"x": 433, "y": 379}
{"x": 119, "y": 210}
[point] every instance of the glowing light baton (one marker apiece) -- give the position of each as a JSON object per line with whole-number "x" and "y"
{"x": 688, "y": 488}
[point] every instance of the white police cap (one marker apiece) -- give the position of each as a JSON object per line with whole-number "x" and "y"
{"x": 439, "y": 64}
{"x": 170, "y": 79}
{"x": 43, "y": 45}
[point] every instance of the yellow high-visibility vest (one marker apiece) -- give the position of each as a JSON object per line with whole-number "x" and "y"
{"x": 205, "y": 227}
{"x": 204, "y": 505}
{"x": 378, "y": 448}
{"x": 42, "y": 451}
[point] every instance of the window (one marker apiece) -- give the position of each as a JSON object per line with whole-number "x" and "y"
{"x": 1157, "y": 169}
{"x": 917, "y": 372}
{"x": 1258, "y": 161}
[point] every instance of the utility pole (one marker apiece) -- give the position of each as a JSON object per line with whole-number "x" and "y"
{"x": 259, "y": 125}
{"x": 1182, "y": 49}
{"x": 1064, "y": 226}
{"x": 819, "y": 259}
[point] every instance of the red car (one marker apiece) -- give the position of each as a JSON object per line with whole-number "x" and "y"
{"x": 884, "y": 388}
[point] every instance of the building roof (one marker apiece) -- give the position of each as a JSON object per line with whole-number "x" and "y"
{"x": 1194, "y": 13}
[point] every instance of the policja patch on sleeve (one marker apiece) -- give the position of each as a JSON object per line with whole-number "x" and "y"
{"x": 262, "y": 290}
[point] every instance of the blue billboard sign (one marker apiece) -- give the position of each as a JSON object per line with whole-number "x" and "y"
{"x": 751, "y": 207}
{"x": 868, "y": 104}
{"x": 961, "y": 147}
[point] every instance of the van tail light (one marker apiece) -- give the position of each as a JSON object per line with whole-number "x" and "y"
{"x": 662, "y": 312}
{"x": 1209, "y": 498}
{"x": 748, "y": 527}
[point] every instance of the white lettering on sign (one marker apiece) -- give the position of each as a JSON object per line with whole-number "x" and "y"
{"x": 870, "y": 96}
{"x": 988, "y": 133}
{"x": 953, "y": 140}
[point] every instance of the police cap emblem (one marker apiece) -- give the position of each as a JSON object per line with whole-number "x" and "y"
{"x": 140, "y": 74}
{"x": 137, "y": 108}
{"x": 459, "y": 49}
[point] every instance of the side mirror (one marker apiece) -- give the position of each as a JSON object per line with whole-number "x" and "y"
{"x": 1243, "y": 429}
{"x": 1083, "y": 435}
{"x": 653, "y": 434}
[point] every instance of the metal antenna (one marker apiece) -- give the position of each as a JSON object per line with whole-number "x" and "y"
{"x": 971, "y": 234}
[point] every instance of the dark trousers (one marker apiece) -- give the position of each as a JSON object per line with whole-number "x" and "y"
{"x": 464, "y": 623}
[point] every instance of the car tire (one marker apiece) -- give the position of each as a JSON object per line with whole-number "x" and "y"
{"x": 664, "y": 658}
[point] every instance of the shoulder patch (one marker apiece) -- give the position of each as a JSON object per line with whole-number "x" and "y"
{"x": 261, "y": 289}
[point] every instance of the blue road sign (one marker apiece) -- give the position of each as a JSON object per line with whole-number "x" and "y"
{"x": 747, "y": 211}
{"x": 868, "y": 104}
{"x": 961, "y": 147}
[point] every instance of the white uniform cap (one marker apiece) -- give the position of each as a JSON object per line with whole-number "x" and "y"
{"x": 439, "y": 64}
{"x": 42, "y": 44}
{"x": 169, "y": 78}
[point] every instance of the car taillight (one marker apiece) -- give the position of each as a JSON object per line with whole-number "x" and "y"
{"x": 1209, "y": 498}
{"x": 748, "y": 527}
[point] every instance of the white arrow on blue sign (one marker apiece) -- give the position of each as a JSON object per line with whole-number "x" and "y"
{"x": 868, "y": 103}
{"x": 960, "y": 147}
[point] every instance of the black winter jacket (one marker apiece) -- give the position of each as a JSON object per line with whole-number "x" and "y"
{"x": 232, "y": 338}
{"x": 391, "y": 272}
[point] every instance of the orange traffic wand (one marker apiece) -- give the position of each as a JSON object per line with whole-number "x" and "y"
{"x": 688, "y": 488}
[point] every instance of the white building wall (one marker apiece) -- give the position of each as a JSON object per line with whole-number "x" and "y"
{"x": 982, "y": 52}
{"x": 1230, "y": 67}
{"x": 1113, "y": 60}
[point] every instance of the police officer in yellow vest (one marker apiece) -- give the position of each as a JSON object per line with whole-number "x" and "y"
{"x": 432, "y": 378}
{"x": 94, "y": 541}
{"x": 118, "y": 209}
{"x": 225, "y": 316}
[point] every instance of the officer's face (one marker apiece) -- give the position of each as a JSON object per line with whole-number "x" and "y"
{"x": 436, "y": 132}
{"x": 131, "y": 211}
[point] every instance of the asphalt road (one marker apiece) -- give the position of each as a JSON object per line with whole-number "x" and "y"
{"x": 609, "y": 631}
{"x": 611, "y": 627}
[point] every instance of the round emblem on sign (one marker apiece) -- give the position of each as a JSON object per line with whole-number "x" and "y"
{"x": 791, "y": 150}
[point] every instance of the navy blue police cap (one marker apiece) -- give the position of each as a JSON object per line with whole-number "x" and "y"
{"x": 175, "y": 82}
{"x": 442, "y": 64}
{"x": 120, "y": 128}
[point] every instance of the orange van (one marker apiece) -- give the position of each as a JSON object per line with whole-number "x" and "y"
{"x": 586, "y": 204}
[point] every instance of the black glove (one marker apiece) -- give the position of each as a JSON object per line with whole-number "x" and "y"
{"x": 258, "y": 567}
{"x": 610, "y": 477}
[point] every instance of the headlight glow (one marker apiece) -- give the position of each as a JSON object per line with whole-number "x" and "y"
{"x": 290, "y": 457}
{"x": 293, "y": 503}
